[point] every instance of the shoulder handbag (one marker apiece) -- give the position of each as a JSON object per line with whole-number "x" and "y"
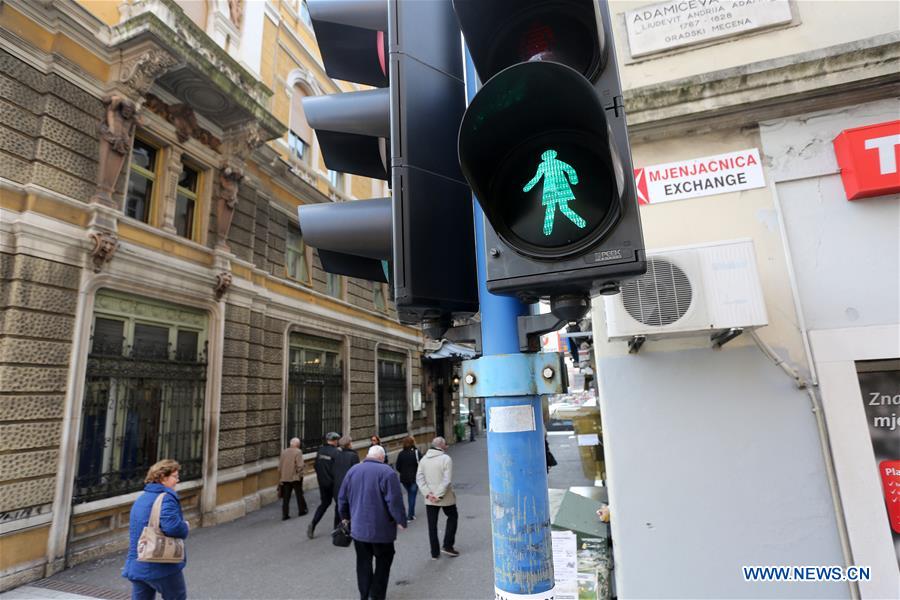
{"x": 341, "y": 535}
{"x": 156, "y": 547}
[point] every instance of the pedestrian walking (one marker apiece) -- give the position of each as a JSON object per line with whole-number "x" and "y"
{"x": 372, "y": 500}
{"x": 290, "y": 468}
{"x": 325, "y": 476}
{"x": 346, "y": 458}
{"x": 434, "y": 477}
{"x": 407, "y": 466}
{"x": 148, "y": 578}
{"x": 376, "y": 441}
{"x": 471, "y": 426}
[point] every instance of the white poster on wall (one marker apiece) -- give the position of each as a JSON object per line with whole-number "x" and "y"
{"x": 668, "y": 25}
{"x": 705, "y": 176}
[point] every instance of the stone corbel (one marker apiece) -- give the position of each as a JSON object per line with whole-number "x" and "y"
{"x": 105, "y": 244}
{"x": 223, "y": 282}
{"x": 140, "y": 70}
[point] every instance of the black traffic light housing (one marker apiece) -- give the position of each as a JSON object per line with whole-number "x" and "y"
{"x": 545, "y": 148}
{"x": 405, "y": 133}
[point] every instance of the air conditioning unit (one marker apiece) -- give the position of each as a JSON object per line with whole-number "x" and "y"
{"x": 711, "y": 289}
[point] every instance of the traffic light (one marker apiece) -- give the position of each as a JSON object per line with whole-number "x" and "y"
{"x": 404, "y": 131}
{"x": 544, "y": 146}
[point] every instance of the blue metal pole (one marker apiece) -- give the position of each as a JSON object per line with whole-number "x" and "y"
{"x": 520, "y": 513}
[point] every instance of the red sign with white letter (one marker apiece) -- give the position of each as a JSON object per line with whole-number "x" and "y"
{"x": 890, "y": 480}
{"x": 869, "y": 158}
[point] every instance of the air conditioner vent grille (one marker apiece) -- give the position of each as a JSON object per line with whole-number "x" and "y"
{"x": 659, "y": 297}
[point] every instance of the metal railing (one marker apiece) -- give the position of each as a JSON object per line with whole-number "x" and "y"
{"x": 138, "y": 410}
{"x": 314, "y": 404}
{"x": 392, "y": 402}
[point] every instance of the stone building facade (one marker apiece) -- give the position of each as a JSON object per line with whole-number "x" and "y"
{"x": 156, "y": 298}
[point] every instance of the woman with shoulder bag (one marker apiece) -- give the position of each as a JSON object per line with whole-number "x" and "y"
{"x": 407, "y": 466}
{"x": 156, "y": 554}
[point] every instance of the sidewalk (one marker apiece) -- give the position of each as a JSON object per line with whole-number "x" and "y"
{"x": 262, "y": 557}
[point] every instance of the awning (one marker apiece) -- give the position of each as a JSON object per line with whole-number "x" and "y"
{"x": 448, "y": 349}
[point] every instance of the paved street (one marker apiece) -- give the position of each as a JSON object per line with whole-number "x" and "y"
{"x": 260, "y": 556}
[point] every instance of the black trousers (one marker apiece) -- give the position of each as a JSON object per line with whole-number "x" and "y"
{"x": 324, "y": 505}
{"x": 373, "y": 585}
{"x": 449, "y": 531}
{"x": 297, "y": 487}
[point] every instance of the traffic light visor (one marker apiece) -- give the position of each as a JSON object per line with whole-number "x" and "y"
{"x": 535, "y": 147}
{"x": 501, "y": 33}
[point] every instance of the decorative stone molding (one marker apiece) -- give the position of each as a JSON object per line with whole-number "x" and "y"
{"x": 105, "y": 245}
{"x": 185, "y": 121}
{"x": 223, "y": 282}
{"x": 139, "y": 73}
{"x": 116, "y": 138}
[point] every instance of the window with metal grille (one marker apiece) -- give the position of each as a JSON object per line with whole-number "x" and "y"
{"x": 660, "y": 296}
{"x": 315, "y": 390}
{"x": 144, "y": 395}
{"x": 392, "y": 400}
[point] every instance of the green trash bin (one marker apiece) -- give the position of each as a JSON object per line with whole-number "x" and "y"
{"x": 460, "y": 430}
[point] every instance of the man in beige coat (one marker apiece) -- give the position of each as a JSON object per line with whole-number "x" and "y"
{"x": 290, "y": 468}
{"x": 434, "y": 478}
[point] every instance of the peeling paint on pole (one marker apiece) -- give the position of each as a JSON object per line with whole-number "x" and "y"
{"x": 523, "y": 566}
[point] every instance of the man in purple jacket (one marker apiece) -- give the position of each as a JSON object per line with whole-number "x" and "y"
{"x": 372, "y": 500}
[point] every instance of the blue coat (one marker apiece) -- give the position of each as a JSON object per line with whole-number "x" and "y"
{"x": 171, "y": 522}
{"x": 371, "y": 497}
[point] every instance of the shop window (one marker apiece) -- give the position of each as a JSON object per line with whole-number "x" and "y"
{"x": 296, "y": 263}
{"x": 186, "y": 201}
{"x": 144, "y": 394}
{"x": 315, "y": 389}
{"x": 392, "y": 400}
{"x": 141, "y": 181}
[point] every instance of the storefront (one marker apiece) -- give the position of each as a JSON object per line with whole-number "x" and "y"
{"x": 840, "y": 211}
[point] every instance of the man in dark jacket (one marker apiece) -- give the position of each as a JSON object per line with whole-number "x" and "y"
{"x": 372, "y": 500}
{"x": 325, "y": 457}
{"x": 345, "y": 459}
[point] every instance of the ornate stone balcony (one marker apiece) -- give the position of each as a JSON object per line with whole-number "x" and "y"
{"x": 160, "y": 43}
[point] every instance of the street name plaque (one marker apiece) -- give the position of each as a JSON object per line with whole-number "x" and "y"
{"x": 668, "y": 25}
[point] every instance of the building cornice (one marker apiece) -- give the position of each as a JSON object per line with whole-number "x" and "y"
{"x": 850, "y": 73}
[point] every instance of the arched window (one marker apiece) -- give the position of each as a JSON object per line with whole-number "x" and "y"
{"x": 300, "y": 134}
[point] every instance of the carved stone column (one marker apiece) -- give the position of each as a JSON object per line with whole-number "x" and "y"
{"x": 136, "y": 73}
{"x": 173, "y": 171}
{"x": 132, "y": 79}
{"x": 237, "y": 145}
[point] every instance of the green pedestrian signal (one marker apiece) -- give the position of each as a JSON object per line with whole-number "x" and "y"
{"x": 558, "y": 179}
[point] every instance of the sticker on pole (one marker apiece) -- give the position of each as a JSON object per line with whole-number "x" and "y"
{"x": 510, "y": 419}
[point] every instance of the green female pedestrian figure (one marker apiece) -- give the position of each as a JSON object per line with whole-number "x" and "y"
{"x": 556, "y": 189}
